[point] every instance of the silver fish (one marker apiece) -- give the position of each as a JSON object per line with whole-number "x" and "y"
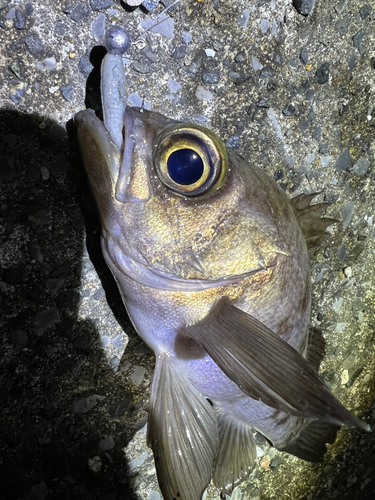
{"x": 211, "y": 259}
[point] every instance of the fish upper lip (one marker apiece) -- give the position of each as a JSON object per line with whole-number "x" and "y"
{"x": 148, "y": 276}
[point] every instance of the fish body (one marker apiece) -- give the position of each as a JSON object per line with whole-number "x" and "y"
{"x": 212, "y": 263}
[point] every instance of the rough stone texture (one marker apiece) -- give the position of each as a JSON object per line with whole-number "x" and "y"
{"x": 74, "y": 355}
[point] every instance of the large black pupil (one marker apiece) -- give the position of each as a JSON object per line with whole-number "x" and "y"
{"x": 185, "y": 166}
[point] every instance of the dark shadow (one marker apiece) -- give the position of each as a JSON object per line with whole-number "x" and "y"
{"x": 93, "y": 97}
{"x": 51, "y": 360}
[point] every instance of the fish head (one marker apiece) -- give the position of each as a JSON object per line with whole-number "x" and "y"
{"x": 176, "y": 203}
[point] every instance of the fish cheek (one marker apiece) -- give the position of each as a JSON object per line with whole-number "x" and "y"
{"x": 187, "y": 348}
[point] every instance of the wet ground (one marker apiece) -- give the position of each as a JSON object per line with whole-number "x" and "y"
{"x": 293, "y": 94}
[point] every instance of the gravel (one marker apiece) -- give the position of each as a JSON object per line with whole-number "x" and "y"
{"x": 66, "y": 395}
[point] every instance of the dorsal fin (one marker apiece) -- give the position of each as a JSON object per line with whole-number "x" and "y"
{"x": 312, "y": 223}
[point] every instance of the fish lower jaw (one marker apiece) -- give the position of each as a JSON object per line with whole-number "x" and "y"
{"x": 147, "y": 276}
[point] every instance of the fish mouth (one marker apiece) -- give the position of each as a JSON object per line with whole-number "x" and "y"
{"x": 161, "y": 280}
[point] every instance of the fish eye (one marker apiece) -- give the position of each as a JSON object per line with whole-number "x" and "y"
{"x": 185, "y": 166}
{"x": 190, "y": 160}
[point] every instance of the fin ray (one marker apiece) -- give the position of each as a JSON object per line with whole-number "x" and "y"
{"x": 310, "y": 444}
{"x": 312, "y": 223}
{"x": 236, "y": 455}
{"x": 182, "y": 432}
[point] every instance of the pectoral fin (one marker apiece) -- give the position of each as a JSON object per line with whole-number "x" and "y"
{"x": 266, "y": 367}
{"x": 182, "y": 432}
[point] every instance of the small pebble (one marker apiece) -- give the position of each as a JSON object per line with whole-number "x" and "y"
{"x": 105, "y": 341}
{"x": 38, "y": 492}
{"x": 342, "y": 25}
{"x": 178, "y": 52}
{"x": 114, "y": 363}
{"x": 309, "y": 95}
{"x": 95, "y": 464}
{"x": 243, "y": 18}
{"x": 154, "y": 495}
{"x": 365, "y": 11}
{"x": 317, "y": 132}
{"x": 210, "y": 76}
{"x": 265, "y": 461}
{"x": 358, "y": 37}
{"x": 11, "y": 13}
{"x": 304, "y": 55}
{"x": 277, "y": 57}
{"x": 138, "y": 374}
{"x": 85, "y": 67}
{"x": 48, "y": 64}
{"x": 323, "y": 149}
{"x": 173, "y": 86}
{"x": 343, "y": 162}
{"x": 352, "y": 61}
{"x": 305, "y": 125}
{"x": 264, "y": 24}
{"x": 29, "y": 9}
{"x": 147, "y": 52}
{"x": 100, "y": 4}
{"x": 266, "y": 72}
{"x": 135, "y": 100}
{"x": 293, "y": 63}
{"x": 263, "y": 104}
{"x": 137, "y": 462}
{"x": 202, "y": 94}
{"x": 106, "y": 444}
{"x": 257, "y": 65}
{"x": 336, "y": 306}
{"x": 164, "y": 25}
{"x": 141, "y": 67}
{"x": 85, "y": 404}
{"x": 322, "y": 73}
{"x": 236, "y": 494}
{"x": 347, "y": 212}
{"x": 98, "y": 27}
{"x": 240, "y": 57}
{"x": 341, "y": 253}
{"x": 242, "y": 79}
{"x": 34, "y": 45}
{"x": 325, "y": 161}
{"x": 78, "y": 12}
{"x": 361, "y": 167}
{"x": 187, "y": 37}
{"x": 17, "y": 92}
{"x": 291, "y": 109}
{"x": 311, "y": 115}
{"x": 367, "y": 378}
{"x": 19, "y": 20}
{"x": 67, "y": 92}
{"x": 344, "y": 377}
{"x": 304, "y": 7}
{"x": 233, "y": 142}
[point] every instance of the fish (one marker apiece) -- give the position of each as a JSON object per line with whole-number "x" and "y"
{"x": 212, "y": 262}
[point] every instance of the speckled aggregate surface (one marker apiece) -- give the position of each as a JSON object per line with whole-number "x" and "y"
{"x": 293, "y": 94}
